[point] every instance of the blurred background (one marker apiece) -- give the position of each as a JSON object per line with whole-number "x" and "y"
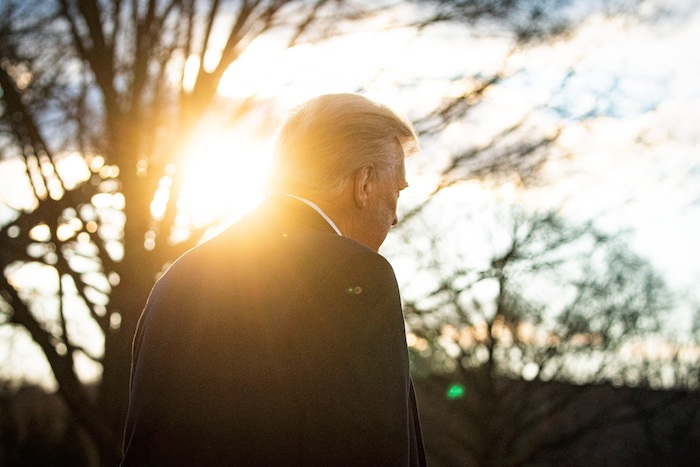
{"x": 547, "y": 250}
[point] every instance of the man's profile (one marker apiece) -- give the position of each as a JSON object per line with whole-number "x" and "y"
{"x": 281, "y": 341}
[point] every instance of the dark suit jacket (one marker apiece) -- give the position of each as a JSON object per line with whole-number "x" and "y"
{"x": 277, "y": 342}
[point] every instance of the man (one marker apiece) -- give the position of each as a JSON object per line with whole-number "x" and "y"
{"x": 281, "y": 341}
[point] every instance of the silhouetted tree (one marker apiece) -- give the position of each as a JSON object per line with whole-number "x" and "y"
{"x": 505, "y": 296}
{"x": 96, "y": 77}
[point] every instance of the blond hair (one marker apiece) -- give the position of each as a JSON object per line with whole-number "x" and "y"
{"x": 327, "y": 139}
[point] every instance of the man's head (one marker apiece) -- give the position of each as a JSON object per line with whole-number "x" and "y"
{"x": 346, "y": 153}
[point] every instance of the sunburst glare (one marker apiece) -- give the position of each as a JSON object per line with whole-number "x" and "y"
{"x": 223, "y": 176}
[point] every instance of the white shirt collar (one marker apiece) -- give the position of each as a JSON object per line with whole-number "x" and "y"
{"x": 318, "y": 210}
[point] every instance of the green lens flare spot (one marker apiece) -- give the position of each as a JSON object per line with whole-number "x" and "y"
{"x": 455, "y": 391}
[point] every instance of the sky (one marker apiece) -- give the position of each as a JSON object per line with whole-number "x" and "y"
{"x": 639, "y": 170}
{"x": 634, "y": 166}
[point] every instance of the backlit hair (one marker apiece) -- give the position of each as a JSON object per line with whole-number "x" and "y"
{"x": 324, "y": 141}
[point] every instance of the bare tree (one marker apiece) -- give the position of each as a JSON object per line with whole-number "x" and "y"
{"x": 532, "y": 299}
{"x": 96, "y": 77}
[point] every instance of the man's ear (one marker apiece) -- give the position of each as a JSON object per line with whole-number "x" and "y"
{"x": 363, "y": 183}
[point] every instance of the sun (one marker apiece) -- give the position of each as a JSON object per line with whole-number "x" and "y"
{"x": 224, "y": 174}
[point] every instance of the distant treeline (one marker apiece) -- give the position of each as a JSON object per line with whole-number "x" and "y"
{"x": 595, "y": 425}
